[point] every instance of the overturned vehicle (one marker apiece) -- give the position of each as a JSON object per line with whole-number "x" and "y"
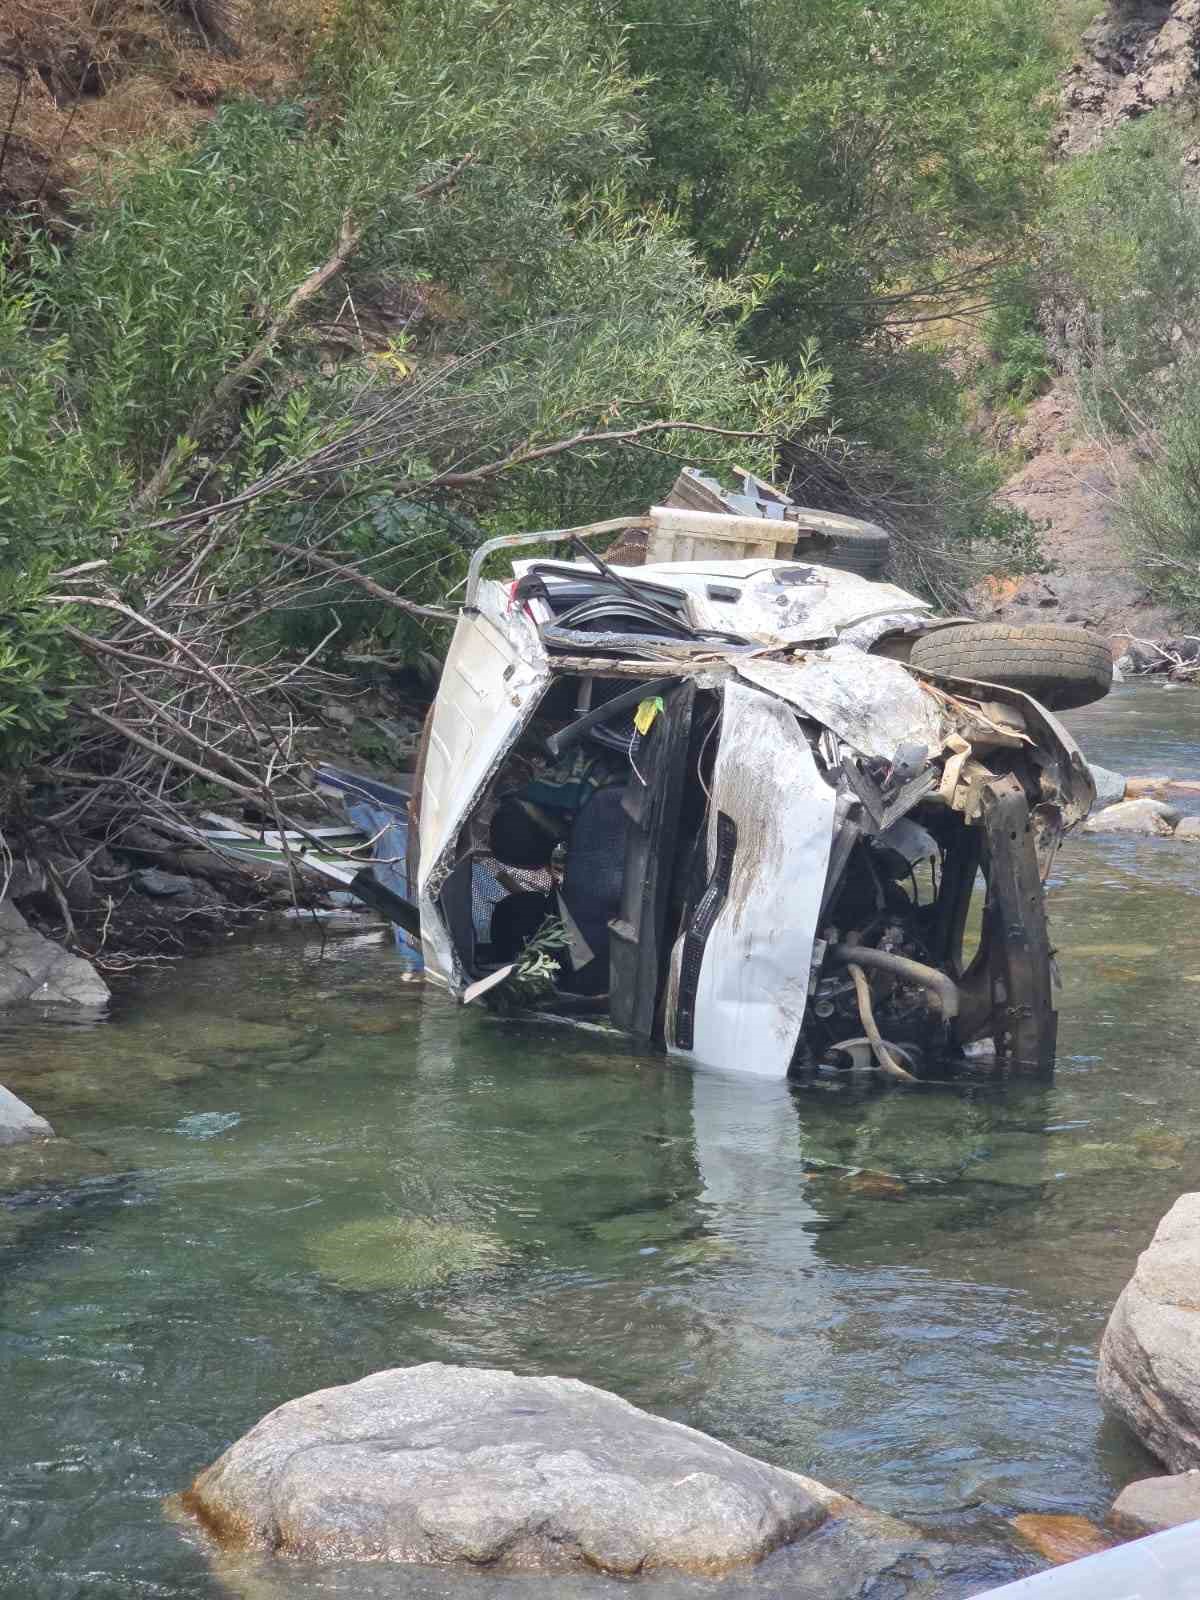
{"x": 767, "y": 814}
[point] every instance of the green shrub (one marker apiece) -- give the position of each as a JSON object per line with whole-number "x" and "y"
{"x": 1018, "y": 365}
{"x": 1121, "y": 264}
{"x": 1158, "y": 509}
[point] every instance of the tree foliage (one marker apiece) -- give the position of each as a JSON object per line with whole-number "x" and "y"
{"x": 547, "y": 348}
{"x": 1121, "y": 265}
{"x": 876, "y": 170}
{"x": 868, "y": 161}
{"x": 1121, "y": 286}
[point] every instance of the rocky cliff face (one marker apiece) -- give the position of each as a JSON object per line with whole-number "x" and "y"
{"x": 1134, "y": 58}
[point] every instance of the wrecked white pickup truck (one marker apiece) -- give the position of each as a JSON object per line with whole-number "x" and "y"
{"x": 782, "y": 819}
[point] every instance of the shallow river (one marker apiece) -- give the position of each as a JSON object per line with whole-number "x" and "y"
{"x": 901, "y": 1296}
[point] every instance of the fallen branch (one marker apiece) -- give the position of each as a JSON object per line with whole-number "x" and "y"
{"x": 349, "y": 575}
{"x": 170, "y": 757}
{"x": 210, "y": 412}
{"x": 581, "y": 441}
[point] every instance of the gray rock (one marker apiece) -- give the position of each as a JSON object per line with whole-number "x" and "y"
{"x": 437, "y": 1464}
{"x": 1110, "y": 786}
{"x": 1150, "y": 1355}
{"x": 32, "y": 968}
{"x": 1150, "y": 818}
{"x": 160, "y": 885}
{"x": 1189, "y": 828}
{"x": 1152, "y": 1504}
{"x": 18, "y": 1122}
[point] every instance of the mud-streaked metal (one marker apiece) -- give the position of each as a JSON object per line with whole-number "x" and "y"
{"x": 753, "y": 988}
{"x": 873, "y": 704}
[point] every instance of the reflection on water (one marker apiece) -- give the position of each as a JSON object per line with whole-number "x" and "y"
{"x": 312, "y": 1170}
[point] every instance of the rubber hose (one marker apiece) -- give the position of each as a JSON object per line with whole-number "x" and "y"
{"x": 883, "y": 1055}
{"x": 916, "y": 972}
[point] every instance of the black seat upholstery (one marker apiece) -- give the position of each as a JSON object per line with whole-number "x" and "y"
{"x": 591, "y": 890}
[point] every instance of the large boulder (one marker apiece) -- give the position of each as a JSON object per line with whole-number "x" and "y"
{"x": 1152, "y": 1504}
{"x": 448, "y": 1465}
{"x": 1150, "y": 1354}
{"x": 20, "y": 1123}
{"x": 32, "y": 968}
{"x": 1150, "y": 818}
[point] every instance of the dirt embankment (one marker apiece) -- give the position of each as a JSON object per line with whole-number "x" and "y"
{"x": 81, "y": 80}
{"x": 1067, "y": 483}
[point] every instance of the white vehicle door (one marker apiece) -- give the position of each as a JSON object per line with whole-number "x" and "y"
{"x": 494, "y": 677}
{"x": 740, "y": 970}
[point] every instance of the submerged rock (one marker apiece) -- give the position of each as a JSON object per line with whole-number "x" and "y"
{"x": 1152, "y": 818}
{"x": 32, "y": 968}
{"x": 1060, "y": 1537}
{"x": 18, "y": 1122}
{"x": 402, "y": 1253}
{"x": 1152, "y": 1504}
{"x": 444, "y": 1465}
{"x": 49, "y": 1168}
{"x": 1150, "y": 1354}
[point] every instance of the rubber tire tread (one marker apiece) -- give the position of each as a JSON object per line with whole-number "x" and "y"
{"x": 1062, "y": 667}
{"x": 864, "y": 551}
{"x": 867, "y": 564}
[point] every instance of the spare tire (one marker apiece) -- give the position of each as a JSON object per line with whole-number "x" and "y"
{"x": 863, "y": 550}
{"x": 1061, "y": 667}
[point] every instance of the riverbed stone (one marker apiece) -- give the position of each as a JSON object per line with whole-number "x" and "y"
{"x": 444, "y": 1465}
{"x": 1151, "y": 818}
{"x": 45, "y": 1169}
{"x": 32, "y": 968}
{"x": 1110, "y": 786}
{"x": 1152, "y": 1504}
{"x": 20, "y": 1123}
{"x": 391, "y": 1252}
{"x": 1062, "y": 1537}
{"x": 1189, "y": 829}
{"x": 1150, "y": 1355}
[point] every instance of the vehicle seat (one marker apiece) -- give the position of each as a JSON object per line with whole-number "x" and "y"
{"x": 591, "y": 889}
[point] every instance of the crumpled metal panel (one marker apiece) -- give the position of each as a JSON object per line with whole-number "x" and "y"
{"x": 791, "y": 602}
{"x": 495, "y": 675}
{"x": 753, "y": 986}
{"x": 872, "y": 704}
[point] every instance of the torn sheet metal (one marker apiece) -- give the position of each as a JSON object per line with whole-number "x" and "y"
{"x": 1065, "y": 777}
{"x": 495, "y": 675}
{"x": 748, "y": 1002}
{"x": 873, "y": 705}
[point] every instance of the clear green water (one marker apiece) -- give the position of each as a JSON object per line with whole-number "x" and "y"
{"x": 707, "y": 1248}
